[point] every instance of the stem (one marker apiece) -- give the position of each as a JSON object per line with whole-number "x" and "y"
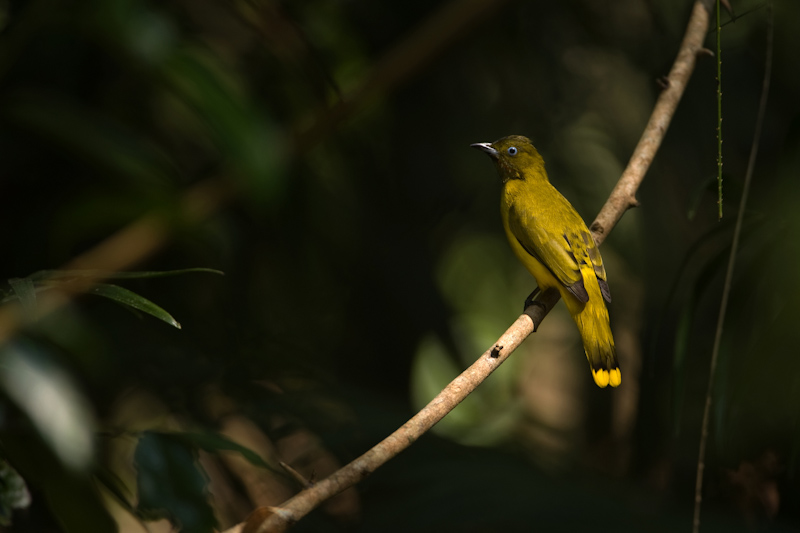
{"x": 762, "y": 107}
{"x": 719, "y": 115}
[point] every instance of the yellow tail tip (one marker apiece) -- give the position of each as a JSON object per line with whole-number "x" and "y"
{"x": 604, "y": 378}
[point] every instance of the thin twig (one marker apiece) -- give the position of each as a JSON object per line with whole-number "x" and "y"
{"x": 621, "y": 198}
{"x": 762, "y": 108}
{"x": 719, "y": 114}
{"x": 297, "y": 476}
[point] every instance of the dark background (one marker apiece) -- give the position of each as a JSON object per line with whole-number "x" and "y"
{"x": 365, "y": 264}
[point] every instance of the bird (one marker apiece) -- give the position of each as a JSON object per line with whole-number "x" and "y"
{"x": 551, "y": 239}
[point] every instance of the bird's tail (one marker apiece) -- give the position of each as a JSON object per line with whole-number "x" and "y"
{"x": 595, "y": 331}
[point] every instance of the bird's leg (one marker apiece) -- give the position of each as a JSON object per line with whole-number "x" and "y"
{"x": 529, "y": 301}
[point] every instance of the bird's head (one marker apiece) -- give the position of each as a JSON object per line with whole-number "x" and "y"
{"x": 515, "y": 157}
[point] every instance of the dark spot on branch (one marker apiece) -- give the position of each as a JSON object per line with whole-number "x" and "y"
{"x": 597, "y": 228}
{"x": 663, "y": 82}
{"x": 535, "y": 317}
{"x": 495, "y": 353}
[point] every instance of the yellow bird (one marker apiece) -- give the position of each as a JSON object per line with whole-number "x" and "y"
{"x": 554, "y": 244}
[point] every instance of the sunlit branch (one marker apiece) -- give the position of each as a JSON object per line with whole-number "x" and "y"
{"x": 621, "y": 198}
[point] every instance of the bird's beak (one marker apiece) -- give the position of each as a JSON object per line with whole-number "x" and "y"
{"x": 486, "y": 147}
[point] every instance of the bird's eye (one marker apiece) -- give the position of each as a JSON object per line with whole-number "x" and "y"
{"x": 512, "y": 150}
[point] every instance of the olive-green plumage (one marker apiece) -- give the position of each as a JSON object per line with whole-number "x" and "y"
{"x": 554, "y": 244}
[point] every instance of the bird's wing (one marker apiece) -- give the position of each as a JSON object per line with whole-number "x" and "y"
{"x": 562, "y": 254}
{"x": 597, "y": 263}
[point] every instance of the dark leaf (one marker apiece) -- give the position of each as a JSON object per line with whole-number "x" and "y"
{"x": 171, "y": 483}
{"x": 214, "y": 442}
{"x": 73, "y": 274}
{"x": 131, "y": 299}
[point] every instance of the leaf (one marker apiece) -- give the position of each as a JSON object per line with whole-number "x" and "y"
{"x": 73, "y": 274}
{"x": 214, "y": 442}
{"x": 680, "y": 351}
{"x": 52, "y": 401}
{"x": 131, "y": 299}
{"x": 171, "y": 483}
{"x": 683, "y": 333}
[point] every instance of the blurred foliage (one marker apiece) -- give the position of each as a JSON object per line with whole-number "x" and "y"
{"x": 15, "y": 493}
{"x": 365, "y": 265}
{"x": 25, "y": 290}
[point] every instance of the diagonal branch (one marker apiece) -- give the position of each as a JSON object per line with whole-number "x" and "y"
{"x": 621, "y": 198}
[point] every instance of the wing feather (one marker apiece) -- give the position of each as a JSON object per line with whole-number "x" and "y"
{"x": 562, "y": 255}
{"x": 597, "y": 263}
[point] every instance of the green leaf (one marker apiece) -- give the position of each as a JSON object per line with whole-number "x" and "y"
{"x": 171, "y": 483}
{"x": 214, "y": 442}
{"x": 73, "y": 274}
{"x": 131, "y": 299}
{"x": 680, "y": 351}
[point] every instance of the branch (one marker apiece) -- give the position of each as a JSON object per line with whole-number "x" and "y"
{"x": 458, "y": 389}
{"x": 621, "y": 198}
